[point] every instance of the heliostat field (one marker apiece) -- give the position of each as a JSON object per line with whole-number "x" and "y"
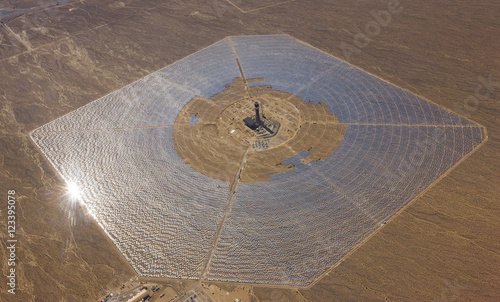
{"x": 353, "y": 150}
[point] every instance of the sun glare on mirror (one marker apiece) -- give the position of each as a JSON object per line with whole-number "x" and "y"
{"x": 73, "y": 190}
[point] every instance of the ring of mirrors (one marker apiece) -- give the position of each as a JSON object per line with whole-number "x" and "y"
{"x": 184, "y": 189}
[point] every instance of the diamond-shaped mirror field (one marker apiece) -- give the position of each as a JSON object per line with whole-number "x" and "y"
{"x": 171, "y": 221}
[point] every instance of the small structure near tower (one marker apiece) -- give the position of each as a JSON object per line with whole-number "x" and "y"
{"x": 254, "y": 122}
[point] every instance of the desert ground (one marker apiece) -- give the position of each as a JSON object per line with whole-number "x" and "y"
{"x": 443, "y": 247}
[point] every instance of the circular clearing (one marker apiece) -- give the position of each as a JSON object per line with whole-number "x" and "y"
{"x": 280, "y": 119}
{"x": 221, "y": 138}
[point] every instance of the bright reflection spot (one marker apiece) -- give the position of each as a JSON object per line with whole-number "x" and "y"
{"x": 73, "y": 190}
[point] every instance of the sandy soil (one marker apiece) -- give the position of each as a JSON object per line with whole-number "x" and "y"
{"x": 216, "y": 144}
{"x": 443, "y": 247}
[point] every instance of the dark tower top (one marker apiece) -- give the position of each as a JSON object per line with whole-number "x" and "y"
{"x": 257, "y": 114}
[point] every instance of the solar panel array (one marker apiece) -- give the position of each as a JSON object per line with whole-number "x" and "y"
{"x": 353, "y": 95}
{"x": 293, "y": 227}
{"x": 165, "y": 217}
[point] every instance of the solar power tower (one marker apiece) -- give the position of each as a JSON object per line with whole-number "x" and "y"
{"x": 352, "y": 150}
